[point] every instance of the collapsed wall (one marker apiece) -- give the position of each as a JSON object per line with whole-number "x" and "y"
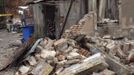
{"x": 76, "y": 53}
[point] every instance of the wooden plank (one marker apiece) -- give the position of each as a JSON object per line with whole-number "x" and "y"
{"x": 39, "y": 27}
{"x": 102, "y": 8}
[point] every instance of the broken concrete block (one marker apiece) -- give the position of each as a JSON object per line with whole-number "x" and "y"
{"x": 32, "y": 61}
{"x": 130, "y": 57}
{"x": 75, "y": 50}
{"x": 59, "y": 70}
{"x": 107, "y": 72}
{"x": 37, "y": 57}
{"x": 93, "y": 49}
{"x": 71, "y": 62}
{"x": 48, "y": 43}
{"x": 126, "y": 47}
{"x": 44, "y": 42}
{"x": 39, "y": 49}
{"x": 87, "y": 66}
{"x": 107, "y": 37}
{"x": 71, "y": 42}
{"x": 61, "y": 63}
{"x": 74, "y": 54}
{"x": 70, "y": 48}
{"x": 61, "y": 57}
{"x": 17, "y": 73}
{"x": 111, "y": 45}
{"x": 61, "y": 44}
{"x": 132, "y": 45}
{"x": 117, "y": 67}
{"x": 46, "y": 54}
{"x": 120, "y": 53}
{"x": 42, "y": 69}
{"x": 24, "y": 69}
{"x": 96, "y": 74}
{"x": 74, "y": 57}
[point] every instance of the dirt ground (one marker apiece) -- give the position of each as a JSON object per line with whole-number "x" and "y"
{"x": 7, "y": 49}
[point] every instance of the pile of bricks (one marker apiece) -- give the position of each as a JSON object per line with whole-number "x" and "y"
{"x": 60, "y": 57}
{"x": 95, "y": 56}
{"x": 79, "y": 54}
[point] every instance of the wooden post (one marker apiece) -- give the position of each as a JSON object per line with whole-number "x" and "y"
{"x": 102, "y": 8}
{"x": 39, "y": 27}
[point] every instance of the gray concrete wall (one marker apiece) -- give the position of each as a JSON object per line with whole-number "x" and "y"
{"x": 77, "y": 11}
{"x": 127, "y": 13}
{"x": 39, "y": 27}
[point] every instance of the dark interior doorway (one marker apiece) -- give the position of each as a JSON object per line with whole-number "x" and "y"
{"x": 50, "y": 20}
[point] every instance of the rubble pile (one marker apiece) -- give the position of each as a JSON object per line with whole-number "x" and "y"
{"x": 78, "y": 54}
{"x": 120, "y": 49}
{"x": 60, "y": 57}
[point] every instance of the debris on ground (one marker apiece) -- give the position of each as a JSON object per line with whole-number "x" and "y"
{"x": 79, "y": 54}
{"x": 89, "y": 55}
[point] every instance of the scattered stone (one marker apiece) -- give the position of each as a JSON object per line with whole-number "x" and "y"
{"x": 46, "y": 54}
{"x": 42, "y": 69}
{"x": 32, "y": 61}
{"x": 89, "y": 65}
{"x": 107, "y": 72}
{"x": 24, "y": 69}
{"x": 130, "y": 57}
{"x": 61, "y": 44}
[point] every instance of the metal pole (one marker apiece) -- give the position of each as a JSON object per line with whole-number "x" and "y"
{"x": 68, "y": 13}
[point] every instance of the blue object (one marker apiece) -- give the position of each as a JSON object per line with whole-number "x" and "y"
{"x": 27, "y": 32}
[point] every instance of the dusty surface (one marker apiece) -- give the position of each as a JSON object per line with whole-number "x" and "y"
{"x": 6, "y": 50}
{"x": 8, "y": 72}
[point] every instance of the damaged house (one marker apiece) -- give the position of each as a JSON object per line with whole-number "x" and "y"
{"x": 77, "y": 37}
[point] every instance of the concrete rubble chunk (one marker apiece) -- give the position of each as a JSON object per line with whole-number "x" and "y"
{"x": 131, "y": 44}
{"x": 108, "y": 72}
{"x": 70, "y": 48}
{"x": 74, "y": 55}
{"x": 71, "y": 42}
{"x": 130, "y": 57}
{"x": 111, "y": 45}
{"x": 47, "y": 43}
{"x": 42, "y": 69}
{"x": 107, "y": 37}
{"x": 120, "y": 53}
{"x": 87, "y": 66}
{"x": 96, "y": 74}
{"x": 71, "y": 62}
{"x": 105, "y": 72}
{"x": 126, "y": 47}
{"x": 61, "y": 57}
{"x": 32, "y": 61}
{"x": 46, "y": 54}
{"x": 59, "y": 70}
{"x": 61, "y": 44}
{"x": 117, "y": 67}
{"x": 24, "y": 69}
{"x": 17, "y": 73}
{"x": 44, "y": 42}
{"x": 39, "y": 48}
